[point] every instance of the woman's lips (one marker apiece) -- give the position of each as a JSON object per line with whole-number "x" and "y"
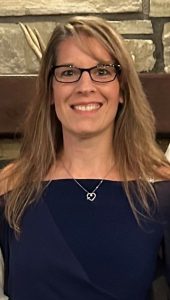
{"x": 87, "y": 106}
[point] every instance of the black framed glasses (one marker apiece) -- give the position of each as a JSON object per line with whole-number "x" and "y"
{"x": 99, "y": 73}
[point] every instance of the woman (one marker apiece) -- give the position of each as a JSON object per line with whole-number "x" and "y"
{"x": 83, "y": 219}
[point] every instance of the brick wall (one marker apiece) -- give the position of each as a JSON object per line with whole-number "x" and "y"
{"x": 145, "y": 25}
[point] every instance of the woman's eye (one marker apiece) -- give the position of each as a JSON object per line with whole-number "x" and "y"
{"x": 103, "y": 72}
{"x": 67, "y": 73}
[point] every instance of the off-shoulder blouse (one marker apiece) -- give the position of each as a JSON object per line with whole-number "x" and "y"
{"x": 72, "y": 248}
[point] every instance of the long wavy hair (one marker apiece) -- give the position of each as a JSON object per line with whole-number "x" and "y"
{"x": 134, "y": 145}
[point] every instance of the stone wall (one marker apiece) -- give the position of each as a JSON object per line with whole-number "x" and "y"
{"x": 145, "y": 24}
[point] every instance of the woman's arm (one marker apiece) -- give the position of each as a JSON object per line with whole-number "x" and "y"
{"x": 2, "y": 295}
{"x": 161, "y": 286}
{"x": 166, "y": 249}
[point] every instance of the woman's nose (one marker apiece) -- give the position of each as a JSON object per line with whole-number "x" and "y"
{"x": 85, "y": 83}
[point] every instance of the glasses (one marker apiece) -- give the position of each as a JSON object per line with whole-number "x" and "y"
{"x": 100, "y": 73}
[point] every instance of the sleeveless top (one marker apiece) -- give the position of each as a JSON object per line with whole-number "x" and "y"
{"x": 72, "y": 248}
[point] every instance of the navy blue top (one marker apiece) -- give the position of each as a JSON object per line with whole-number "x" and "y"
{"x": 71, "y": 248}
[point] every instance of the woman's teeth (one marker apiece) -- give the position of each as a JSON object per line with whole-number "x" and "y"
{"x": 88, "y": 107}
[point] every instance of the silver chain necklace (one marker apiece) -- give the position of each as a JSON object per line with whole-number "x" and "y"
{"x": 89, "y": 195}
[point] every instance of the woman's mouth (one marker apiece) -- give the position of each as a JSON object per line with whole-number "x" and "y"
{"x": 86, "y": 107}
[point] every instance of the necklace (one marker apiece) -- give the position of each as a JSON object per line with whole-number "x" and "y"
{"x": 89, "y": 195}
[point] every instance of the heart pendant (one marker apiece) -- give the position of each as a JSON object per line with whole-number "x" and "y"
{"x": 91, "y": 196}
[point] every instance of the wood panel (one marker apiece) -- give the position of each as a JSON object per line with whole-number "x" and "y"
{"x": 157, "y": 89}
{"x": 17, "y": 92}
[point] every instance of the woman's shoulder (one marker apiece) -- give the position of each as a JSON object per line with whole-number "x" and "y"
{"x": 162, "y": 190}
{"x": 161, "y": 176}
{"x": 162, "y": 183}
{"x": 163, "y": 187}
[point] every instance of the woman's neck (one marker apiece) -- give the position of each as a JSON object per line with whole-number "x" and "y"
{"x": 85, "y": 158}
{"x": 88, "y": 155}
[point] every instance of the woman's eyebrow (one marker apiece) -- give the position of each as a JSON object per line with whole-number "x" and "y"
{"x": 102, "y": 62}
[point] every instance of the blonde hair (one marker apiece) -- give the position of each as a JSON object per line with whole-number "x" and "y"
{"x": 134, "y": 143}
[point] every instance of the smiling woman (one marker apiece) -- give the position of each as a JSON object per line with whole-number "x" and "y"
{"x": 86, "y": 101}
{"x": 83, "y": 219}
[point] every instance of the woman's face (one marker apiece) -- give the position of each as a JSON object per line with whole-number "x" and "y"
{"x": 85, "y": 108}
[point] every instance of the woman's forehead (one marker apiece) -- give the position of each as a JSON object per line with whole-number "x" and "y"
{"x": 83, "y": 46}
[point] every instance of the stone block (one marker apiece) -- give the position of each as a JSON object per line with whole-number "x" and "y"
{"x": 133, "y": 26}
{"x": 159, "y": 8}
{"x": 145, "y": 8}
{"x": 142, "y": 52}
{"x": 166, "y": 43}
{"x": 16, "y": 57}
{"x": 43, "y": 7}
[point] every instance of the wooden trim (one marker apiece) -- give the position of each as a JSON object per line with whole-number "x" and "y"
{"x": 17, "y": 92}
{"x": 157, "y": 89}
